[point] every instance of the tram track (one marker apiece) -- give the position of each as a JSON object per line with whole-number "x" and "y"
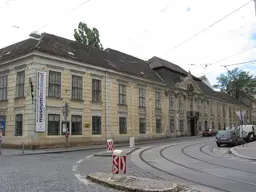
{"x": 201, "y": 171}
{"x": 211, "y": 163}
{"x": 172, "y": 174}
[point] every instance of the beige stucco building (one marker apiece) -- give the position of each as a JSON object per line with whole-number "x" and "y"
{"x": 108, "y": 94}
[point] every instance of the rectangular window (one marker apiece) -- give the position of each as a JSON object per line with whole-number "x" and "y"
{"x": 122, "y": 94}
{"x": 53, "y": 124}
{"x": 77, "y": 87}
{"x": 218, "y": 109}
{"x": 172, "y": 127}
{"x": 224, "y": 111}
{"x": 219, "y": 126}
{"x": 20, "y": 84}
{"x": 171, "y": 102}
{"x": 230, "y": 112}
{"x": 205, "y": 108}
{"x": 122, "y": 125}
{"x": 142, "y": 122}
{"x": 213, "y": 126}
{"x": 19, "y": 125}
{"x": 181, "y": 126}
{"x": 54, "y": 84}
{"x": 76, "y": 125}
{"x": 142, "y": 97}
{"x": 180, "y": 104}
{"x": 3, "y": 87}
{"x": 212, "y": 110}
{"x": 96, "y": 125}
{"x": 158, "y": 125}
{"x": 158, "y": 100}
{"x": 96, "y": 90}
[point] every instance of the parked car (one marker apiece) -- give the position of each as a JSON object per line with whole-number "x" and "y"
{"x": 248, "y": 132}
{"x": 208, "y": 132}
{"x": 228, "y": 137}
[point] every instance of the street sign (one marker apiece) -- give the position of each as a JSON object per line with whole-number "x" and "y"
{"x": 241, "y": 115}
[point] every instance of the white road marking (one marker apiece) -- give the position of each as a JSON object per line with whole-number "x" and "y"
{"x": 89, "y": 156}
{"x": 80, "y": 161}
{"x": 83, "y": 180}
{"x": 74, "y": 168}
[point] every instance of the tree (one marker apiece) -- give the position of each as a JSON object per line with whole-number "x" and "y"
{"x": 87, "y": 36}
{"x": 236, "y": 83}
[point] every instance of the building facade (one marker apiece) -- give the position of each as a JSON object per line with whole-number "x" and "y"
{"x": 52, "y": 85}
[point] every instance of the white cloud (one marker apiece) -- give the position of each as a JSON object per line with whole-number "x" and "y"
{"x": 144, "y": 28}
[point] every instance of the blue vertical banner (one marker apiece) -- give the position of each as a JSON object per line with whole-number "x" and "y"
{"x": 2, "y": 124}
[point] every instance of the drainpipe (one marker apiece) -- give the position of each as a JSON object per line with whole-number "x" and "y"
{"x": 107, "y": 106}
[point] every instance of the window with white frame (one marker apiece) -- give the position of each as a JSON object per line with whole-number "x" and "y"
{"x": 142, "y": 125}
{"x": 54, "y": 89}
{"x": 53, "y": 124}
{"x": 96, "y": 90}
{"x": 142, "y": 97}
{"x": 96, "y": 125}
{"x": 77, "y": 87}
{"x": 20, "y": 84}
{"x": 158, "y": 99}
{"x": 76, "y": 124}
{"x": 158, "y": 125}
{"x": 172, "y": 102}
{"x": 18, "y": 124}
{"x": 122, "y": 125}
{"x": 3, "y": 87}
{"x": 122, "y": 94}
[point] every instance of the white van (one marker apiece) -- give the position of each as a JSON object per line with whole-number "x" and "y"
{"x": 248, "y": 132}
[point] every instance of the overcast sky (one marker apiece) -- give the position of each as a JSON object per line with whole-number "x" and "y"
{"x": 145, "y": 28}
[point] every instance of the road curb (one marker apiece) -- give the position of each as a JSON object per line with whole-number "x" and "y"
{"x": 234, "y": 152}
{"x": 101, "y": 147}
{"x": 110, "y": 154}
{"x": 124, "y": 185}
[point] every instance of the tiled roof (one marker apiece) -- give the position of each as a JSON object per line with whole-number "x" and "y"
{"x": 172, "y": 73}
{"x": 17, "y": 49}
{"x": 69, "y": 49}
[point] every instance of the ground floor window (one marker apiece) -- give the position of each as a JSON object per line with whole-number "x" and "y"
{"x": 158, "y": 126}
{"x": 122, "y": 125}
{"x": 96, "y": 125}
{"x": 76, "y": 124}
{"x": 213, "y": 126}
{"x": 172, "y": 127}
{"x": 53, "y": 124}
{"x": 199, "y": 124}
{"x": 205, "y": 125}
{"x": 18, "y": 124}
{"x": 142, "y": 125}
{"x": 181, "y": 126}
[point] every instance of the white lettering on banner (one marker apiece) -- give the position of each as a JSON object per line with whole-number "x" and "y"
{"x": 40, "y": 101}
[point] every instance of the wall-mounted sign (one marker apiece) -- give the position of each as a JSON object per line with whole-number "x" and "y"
{"x": 87, "y": 125}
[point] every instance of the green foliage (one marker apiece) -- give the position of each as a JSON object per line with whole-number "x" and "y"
{"x": 87, "y": 36}
{"x": 236, "y": 83}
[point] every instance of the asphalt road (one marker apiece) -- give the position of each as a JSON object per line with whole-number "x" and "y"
{"x": 186, "y": 161}
{"x": 194, "y": 163}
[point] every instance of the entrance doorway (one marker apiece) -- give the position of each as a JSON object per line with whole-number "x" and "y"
{"x": 192, "y": 127}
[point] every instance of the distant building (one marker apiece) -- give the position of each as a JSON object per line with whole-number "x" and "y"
{"x": 107, "y": 94}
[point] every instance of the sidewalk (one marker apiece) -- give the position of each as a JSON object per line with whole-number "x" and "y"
{"x": 16, "y": 152}
{"x": 246, "y": 152}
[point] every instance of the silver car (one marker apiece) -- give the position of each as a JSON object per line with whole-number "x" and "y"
{"x": 228, "y": 137}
